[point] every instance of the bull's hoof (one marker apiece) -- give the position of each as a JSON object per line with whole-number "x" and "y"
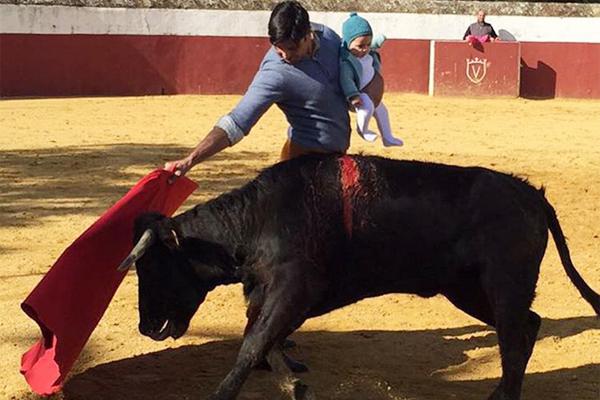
{"x": 295, "y": 366}
{"x": 298, "y": 390}
{"x": 216, "y": 396}
{"x": 498, "y": 394}
{"x": 263, "y": 366}
{"x": 302, "y": 392}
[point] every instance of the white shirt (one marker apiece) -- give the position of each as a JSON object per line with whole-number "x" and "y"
{"x": 368, "y": 72}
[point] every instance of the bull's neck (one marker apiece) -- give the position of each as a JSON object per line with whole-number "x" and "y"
{"x": 224, "y": 225}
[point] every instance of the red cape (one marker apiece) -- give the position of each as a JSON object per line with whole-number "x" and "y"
{"x": 71, "y": 298}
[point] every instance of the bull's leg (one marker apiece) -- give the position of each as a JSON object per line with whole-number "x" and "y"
{"x": 255, "y": 346}
{"x": 502, "y": 303}
{"x": 516, "y": 337}
{"x": 285, "y": 305}
{"x": 279, "y": 363}
{"x": 294, "y": 365}
{"x": 511, "y": 294}
{"x": 252, "y": 314}
{"x": 470, "y": 297}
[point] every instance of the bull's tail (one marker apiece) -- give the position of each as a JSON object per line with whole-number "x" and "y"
{"x": 561, "y": 245}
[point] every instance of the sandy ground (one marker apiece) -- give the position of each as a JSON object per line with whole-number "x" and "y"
{"x": 64, "y": 161}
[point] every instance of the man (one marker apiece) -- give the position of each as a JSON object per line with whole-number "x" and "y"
{"x": 480, "y": 31}
{"x": 300, "y": 73}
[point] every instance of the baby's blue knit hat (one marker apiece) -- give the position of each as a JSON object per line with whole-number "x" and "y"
{"x": 354, "y": 27}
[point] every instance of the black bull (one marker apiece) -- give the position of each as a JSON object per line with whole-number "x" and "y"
{"x": 317, "y": 233}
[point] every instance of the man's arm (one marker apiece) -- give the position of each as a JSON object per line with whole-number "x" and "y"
{"x": 264, "y": 90}
{"x": 493, "y": 33}
{"x": 467, "y": 32}
{"x": 213, "y": 143}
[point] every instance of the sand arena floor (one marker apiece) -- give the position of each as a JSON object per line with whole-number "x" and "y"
{"x": 64, "y": 161}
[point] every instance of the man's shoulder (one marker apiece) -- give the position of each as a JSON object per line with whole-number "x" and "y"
{"x": 325, "y": 32}
{"x": 271, "y": 59}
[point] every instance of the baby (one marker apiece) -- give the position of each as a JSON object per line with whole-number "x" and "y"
{"x": 359, "y": 62}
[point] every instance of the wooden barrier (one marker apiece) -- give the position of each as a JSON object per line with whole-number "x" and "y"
{"x": 460, "y": 69}
{"x": 550, "y": 70}
{"x": 116, "y": 65}
{"x": 405, "y": 65}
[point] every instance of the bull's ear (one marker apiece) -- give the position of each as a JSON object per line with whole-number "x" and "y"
{"x": 165, "y": 229}
{"x": 168, "y": 234}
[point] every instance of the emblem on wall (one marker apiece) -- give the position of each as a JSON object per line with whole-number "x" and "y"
{"x": 476, "y": 69}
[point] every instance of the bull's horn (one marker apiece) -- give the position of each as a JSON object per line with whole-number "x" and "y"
{"x": 138, "y": 250}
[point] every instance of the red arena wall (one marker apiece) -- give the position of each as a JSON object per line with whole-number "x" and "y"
{"x": 489, "y": 69}
{"x": 88, "y": 51}
{"x": 551, "y": 70}
{"x": 113, "y": 65}
{"x": 406, "y": 65}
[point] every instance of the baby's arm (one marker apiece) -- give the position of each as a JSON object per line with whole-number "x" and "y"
{"x": 377, "y": 41}
{"x": 347, "y": 83}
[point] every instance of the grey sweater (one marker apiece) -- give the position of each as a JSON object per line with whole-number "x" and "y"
{"x": 307, "y": 92}
{"x": 478, "y": 29}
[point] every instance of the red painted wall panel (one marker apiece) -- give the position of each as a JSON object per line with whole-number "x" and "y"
{"x": 551, "y": 70}
{"x": 490, "y": 69}
{"x": 112, "y": 65}
{"x": 406, "y": 65}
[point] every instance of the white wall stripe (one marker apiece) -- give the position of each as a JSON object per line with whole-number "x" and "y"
{"x": 144, "y": 21}
{"x": 431, "y": 67}
{"x": 519, "y": 74}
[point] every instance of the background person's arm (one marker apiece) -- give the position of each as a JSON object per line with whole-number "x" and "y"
{"x": 467, "y": 32}
{"x": 493, "y": 35}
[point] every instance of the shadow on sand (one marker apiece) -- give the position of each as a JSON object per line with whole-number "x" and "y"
{"x": 89, "y": 179}
{"x": 353, "y": 365}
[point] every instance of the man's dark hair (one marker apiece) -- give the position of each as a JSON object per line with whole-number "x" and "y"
{"x": 289, "y": 21}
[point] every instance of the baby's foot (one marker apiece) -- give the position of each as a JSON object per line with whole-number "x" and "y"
{"x": 392, "y": 141}
{"x": 369, "y": 136}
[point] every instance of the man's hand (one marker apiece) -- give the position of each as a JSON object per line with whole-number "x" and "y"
{"x": 178, "y": 167}
{"x": 356, "y": 102}
{"x": 214, "y": 142}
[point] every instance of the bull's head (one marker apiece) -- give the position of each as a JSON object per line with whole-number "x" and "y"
{"x": 170, "y": 289}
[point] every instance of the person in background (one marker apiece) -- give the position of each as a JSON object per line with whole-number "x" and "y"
{"x": 480, "y": 31}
